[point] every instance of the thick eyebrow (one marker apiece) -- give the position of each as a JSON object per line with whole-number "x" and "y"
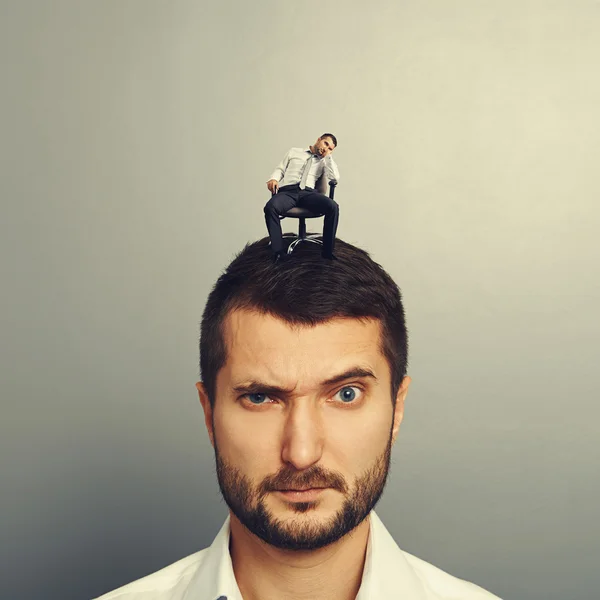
{"x": 256, "y": 387}
{"x": 354, "y": 373}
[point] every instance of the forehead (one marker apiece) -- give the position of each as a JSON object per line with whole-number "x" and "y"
{"x": 328, "y": 140}
{"x": 268, "y": 348}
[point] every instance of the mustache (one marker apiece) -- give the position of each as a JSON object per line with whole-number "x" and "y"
{"x": 314, "y": 477}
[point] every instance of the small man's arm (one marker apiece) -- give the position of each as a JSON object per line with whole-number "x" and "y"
{"x": 277, "y": 175}
{"x": 331, "y": 170}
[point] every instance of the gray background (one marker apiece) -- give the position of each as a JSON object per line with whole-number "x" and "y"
{"x": 136, "y": 140}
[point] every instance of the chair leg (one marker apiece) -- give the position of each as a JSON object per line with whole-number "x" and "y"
{"x": 298, "y": 240}
{"x": 302, "y": 228}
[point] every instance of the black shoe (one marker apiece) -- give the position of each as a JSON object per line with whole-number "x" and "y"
{"x": 330, "y": 256}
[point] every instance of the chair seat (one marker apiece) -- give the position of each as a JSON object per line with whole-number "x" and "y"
{"x": 302, "y": 212}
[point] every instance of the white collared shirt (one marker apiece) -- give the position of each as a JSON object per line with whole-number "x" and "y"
{"x": 289, "y": 170}
{"x": 389, "y": 574}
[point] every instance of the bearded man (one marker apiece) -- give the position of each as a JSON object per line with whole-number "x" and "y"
{"x": 304, "y": 381}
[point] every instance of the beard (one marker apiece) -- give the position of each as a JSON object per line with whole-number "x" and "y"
{"x": 247, "y": 502}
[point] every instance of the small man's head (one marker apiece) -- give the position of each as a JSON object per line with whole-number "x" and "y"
{"x": 304, "y": 379}
{"x": 325, "y": 144}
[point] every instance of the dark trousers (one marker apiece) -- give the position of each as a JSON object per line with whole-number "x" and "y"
{"x": 291, "y": 195}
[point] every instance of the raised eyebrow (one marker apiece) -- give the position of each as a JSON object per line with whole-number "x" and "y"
{"x": 354, "y": 373}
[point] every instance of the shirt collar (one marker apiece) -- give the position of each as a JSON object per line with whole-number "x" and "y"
{"x": 386, "y": 574}
{"x": 214, "y": 579}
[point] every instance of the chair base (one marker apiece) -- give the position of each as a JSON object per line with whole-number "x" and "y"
{"x": 308, "y": 238}
{"x": 313, "y": 238}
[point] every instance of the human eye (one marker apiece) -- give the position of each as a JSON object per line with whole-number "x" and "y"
{"x": 256, "y": 399}
{"x": 349, "y": 394}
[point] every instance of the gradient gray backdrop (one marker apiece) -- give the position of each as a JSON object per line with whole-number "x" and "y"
{"x": 137, "y": 137}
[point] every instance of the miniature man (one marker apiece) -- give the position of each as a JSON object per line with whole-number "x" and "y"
{"x": 292, "y": 184}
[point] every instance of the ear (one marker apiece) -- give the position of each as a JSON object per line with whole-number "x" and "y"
{"x": 399, "y": 410}
{"x": 207, "y": 411}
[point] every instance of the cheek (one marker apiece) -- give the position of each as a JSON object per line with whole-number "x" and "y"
{"x": 242, "y": 445}
{"x": 359, "y": 441}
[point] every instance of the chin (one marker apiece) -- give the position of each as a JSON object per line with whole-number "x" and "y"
{"x": 314, "y": 511}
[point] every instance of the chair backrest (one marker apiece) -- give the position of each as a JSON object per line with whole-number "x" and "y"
{"x": 322, "y": 185}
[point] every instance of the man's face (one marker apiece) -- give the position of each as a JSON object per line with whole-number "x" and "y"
{"x": 324, "y": 146}
{"x": 302, "y": 409}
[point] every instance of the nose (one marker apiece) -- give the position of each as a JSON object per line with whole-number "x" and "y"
{"x": 303, "y": 438}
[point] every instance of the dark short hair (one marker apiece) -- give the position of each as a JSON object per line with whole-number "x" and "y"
{"x": 304, "y": 290}
{"x": 332, "y": 137}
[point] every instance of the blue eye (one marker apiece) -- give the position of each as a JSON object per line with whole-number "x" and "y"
{"x": 257, "y": 398}
{"x": 347, "y": 394}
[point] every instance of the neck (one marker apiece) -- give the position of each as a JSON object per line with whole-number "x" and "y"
{"x": 264, "y": 572}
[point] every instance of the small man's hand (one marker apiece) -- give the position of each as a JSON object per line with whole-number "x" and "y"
{"x": 273, "y": 186}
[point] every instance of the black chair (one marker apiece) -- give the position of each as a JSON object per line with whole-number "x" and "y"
{"x": 303, "y": 213}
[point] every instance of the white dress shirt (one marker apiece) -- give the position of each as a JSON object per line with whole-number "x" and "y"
{"x": 389, "y": 574}
{"x": 289, "y": 170}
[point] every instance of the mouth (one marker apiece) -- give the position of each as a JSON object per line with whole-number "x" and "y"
{"x": 302, "y": 494}
{"x": 302, "y": 489}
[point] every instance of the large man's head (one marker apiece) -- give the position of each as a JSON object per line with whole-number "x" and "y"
{"x": 325, "y": 144}
{"x": 304, "y": 378}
